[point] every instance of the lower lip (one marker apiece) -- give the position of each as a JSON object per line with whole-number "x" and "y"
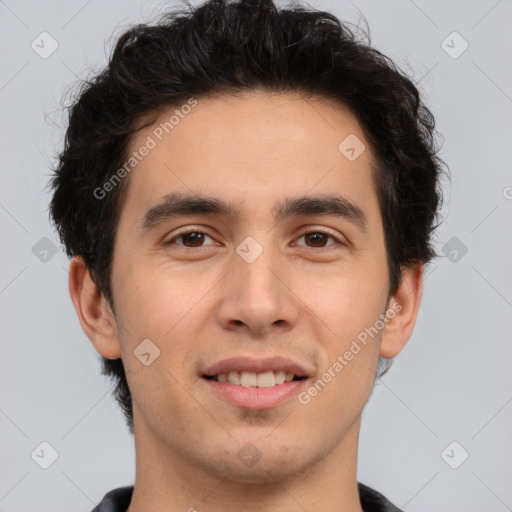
{"x": 255, "y": 398}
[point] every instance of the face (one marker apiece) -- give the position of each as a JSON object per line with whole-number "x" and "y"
{"x": 273, "y": 273}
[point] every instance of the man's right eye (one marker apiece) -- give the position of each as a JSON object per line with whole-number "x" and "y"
{"x": 194, "y": 237}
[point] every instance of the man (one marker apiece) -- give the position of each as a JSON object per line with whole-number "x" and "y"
{"x": 248, "y": 196}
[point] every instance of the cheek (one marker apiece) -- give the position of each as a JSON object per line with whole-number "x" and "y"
{"x": 154, "y": 307}
{"x": 350, "y": 307}
{"x": 349, "y": 304}
{"x": 168, "y": 308}
{"x": 151, "y": 300}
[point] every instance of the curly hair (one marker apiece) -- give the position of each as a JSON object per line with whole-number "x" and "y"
{"x": 222, "y": 47}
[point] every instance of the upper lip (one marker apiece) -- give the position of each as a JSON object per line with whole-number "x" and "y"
{"x": 248, "y": 364}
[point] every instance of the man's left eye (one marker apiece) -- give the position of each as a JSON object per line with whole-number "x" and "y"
{"x": 318, "y": 238}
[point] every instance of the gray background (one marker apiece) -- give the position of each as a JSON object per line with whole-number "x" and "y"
{"x": 451, "y": 383}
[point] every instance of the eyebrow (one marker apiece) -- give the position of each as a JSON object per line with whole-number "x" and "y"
{"x": 176, "y": 204}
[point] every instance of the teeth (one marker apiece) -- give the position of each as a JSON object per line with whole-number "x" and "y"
{"x": 248, "y": 379}
{"x": 281, "y": 377}
{"x": 234, "y": 378}
{"x": 266, "y": 380}
{"x": 255, "y": 380}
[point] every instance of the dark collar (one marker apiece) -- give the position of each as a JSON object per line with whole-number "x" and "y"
{"x": 118, "y": 500}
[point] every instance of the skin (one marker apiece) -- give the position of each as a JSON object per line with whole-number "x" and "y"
{"x": 303, "y": 301}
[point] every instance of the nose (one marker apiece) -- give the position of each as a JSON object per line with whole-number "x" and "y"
{"x": 256, "y": 299}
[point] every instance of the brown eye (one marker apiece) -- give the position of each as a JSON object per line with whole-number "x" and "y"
{"x": 318, "y": 239}
{"x": 190, "y": 239}
{"x": 195, "y": 238}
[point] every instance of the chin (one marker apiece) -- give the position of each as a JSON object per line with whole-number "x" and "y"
{"x": 269, "y": 466}
{"x": 263, "y": 474}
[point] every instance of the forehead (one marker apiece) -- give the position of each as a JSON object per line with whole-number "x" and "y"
{"x": 256, "y": 144}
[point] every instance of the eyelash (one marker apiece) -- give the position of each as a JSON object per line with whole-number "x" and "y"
{"x": 187, "y": 232}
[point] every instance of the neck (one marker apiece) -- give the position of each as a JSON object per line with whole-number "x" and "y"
{"x": 166, "y": 479}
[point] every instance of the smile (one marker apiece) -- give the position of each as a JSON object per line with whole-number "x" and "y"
{"x": 246, "y": 379}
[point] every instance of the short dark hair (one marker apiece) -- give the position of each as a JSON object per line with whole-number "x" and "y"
{"x": 222, "y": 47}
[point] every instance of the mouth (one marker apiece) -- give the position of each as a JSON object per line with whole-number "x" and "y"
{"x": 255, "y": 383}
{"x": 267, "y": 379}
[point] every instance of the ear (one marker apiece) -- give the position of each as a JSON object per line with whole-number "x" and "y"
{"x": 402, "y": 311}
{"x": 93, "y": 310}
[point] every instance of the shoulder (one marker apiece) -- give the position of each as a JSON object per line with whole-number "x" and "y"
{"x": 374, "y": 501}
{"x": 117, "y": 500}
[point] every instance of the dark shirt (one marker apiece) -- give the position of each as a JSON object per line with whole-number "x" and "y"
{"x": 118, "y": 500}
